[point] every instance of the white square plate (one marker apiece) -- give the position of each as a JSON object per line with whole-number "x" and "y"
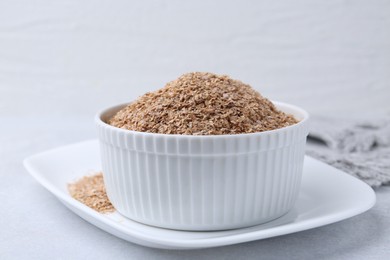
{"x": 327, "y": 195}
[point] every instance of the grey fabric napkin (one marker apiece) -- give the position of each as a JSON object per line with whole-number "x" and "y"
{"x": 360, "y": 148}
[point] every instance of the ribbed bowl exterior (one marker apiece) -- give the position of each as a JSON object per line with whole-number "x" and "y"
{"x": 203, "y": 182}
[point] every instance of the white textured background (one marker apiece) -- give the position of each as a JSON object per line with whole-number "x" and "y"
{"x": 327, "y": 56}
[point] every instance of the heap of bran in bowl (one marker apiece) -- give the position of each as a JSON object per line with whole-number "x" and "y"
{"x": 201, "y": 103}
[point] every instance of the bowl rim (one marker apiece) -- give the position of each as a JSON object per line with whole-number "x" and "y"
{"x": 305, "y": 117}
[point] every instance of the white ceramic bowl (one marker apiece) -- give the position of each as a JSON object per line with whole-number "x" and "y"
{"x": 203, "y": 182}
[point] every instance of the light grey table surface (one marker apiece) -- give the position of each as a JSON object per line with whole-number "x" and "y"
{"x": 35, "y": 225}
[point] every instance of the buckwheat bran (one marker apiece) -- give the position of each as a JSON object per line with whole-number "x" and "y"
{"x": 90, "y": 190}
{"x": 202, "y": 104}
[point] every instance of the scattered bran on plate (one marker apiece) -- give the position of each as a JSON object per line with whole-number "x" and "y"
{"x": 90, "y": 190}
{"x": 202, "y": 104}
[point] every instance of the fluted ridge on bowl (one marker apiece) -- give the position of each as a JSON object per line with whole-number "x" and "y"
{"x": 164, "y": 189}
